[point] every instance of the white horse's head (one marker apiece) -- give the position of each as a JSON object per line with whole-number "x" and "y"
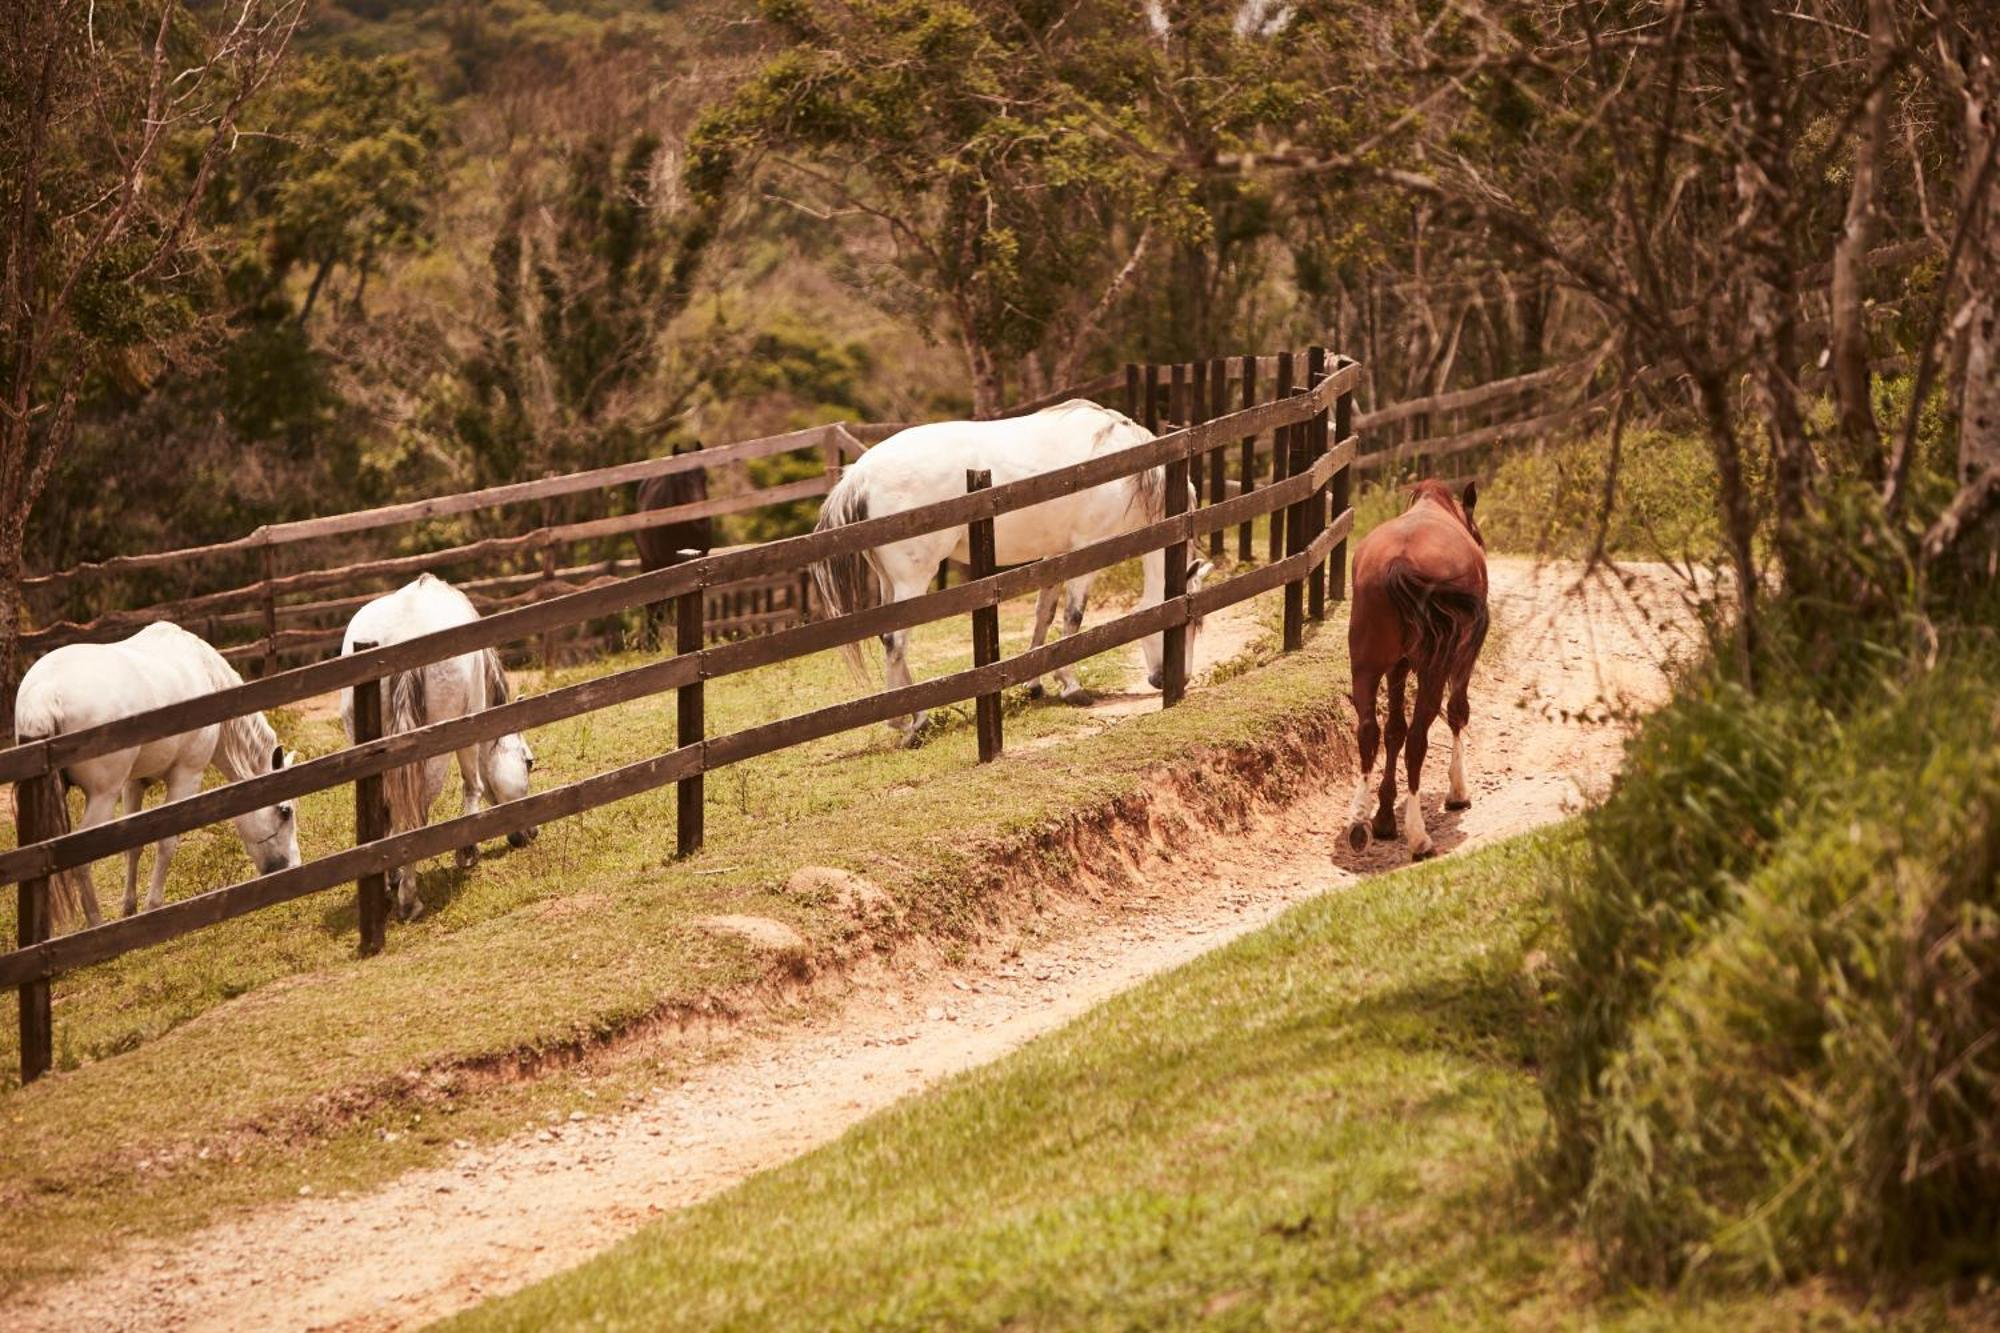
{"x": 1154, "y": 646}
{"x": 505, "y": 768}
{"x": 271, "y": 835}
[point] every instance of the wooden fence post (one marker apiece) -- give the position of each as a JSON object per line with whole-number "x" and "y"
{"x": 1177, "y": 399}
{"x": 1296, "y": 515}
{"x": 1151, "y": 419}
{"x": 270, "y": 614}
{"x": 1132, "y": 392}
{"x": 36, "y": 819}
{"x": 548, "y": 577}
{"x": 1281, "y": 458}
{"x": 689, "y": 722}
{"x": 1248, "y": 470}
{"x": 1197, "y": 413}
{"x": 1343, "y": 426}
{"x": 1173, "y": 641}
{"x": 1314, "y": 432}
{"x": 371, "y": 816}
{"x": 985, "y": 621}
{"x": 1218, "y": 457}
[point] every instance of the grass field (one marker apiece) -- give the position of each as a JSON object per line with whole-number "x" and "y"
{"x": 1319, "y": 1126}
{"x": 249, "y": 1061}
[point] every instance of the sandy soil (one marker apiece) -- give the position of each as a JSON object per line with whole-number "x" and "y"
{"x": 1564, "y": 666}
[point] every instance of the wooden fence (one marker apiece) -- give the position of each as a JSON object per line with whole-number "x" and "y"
{"x": 1311, "y": 426}
{"x": 275, "y": 616}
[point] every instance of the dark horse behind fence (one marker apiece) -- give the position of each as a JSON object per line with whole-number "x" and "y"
{"x": 662, "y": 546}
{"x": 1419, "y": 605}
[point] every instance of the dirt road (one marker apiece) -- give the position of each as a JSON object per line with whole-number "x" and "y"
{"x": 1563, "y": 664}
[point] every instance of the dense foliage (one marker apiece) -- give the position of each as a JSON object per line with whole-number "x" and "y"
{"x": 1780, "y": 968}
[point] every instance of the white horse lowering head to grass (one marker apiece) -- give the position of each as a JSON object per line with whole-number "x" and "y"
{"x": 86, "y": 685}
{"x": 490, "y": 772}
{"x": 927, "y": 464}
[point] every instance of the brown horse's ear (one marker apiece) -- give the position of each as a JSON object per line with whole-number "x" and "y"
{"x": 1469, "y": 496}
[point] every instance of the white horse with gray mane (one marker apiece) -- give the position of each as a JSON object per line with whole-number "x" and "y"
{"x": 490, "y": 772}
{"x": 927, "y": 464}
{"x": 83, "y": 685}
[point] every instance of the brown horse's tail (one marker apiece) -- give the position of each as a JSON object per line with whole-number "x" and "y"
{"x": 1447, "y": 621}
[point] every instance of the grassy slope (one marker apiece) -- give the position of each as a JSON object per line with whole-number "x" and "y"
{"x": 1314, "y": 1127}
{"x": 295, "y": 1082}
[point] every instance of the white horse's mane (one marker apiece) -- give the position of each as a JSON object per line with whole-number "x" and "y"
{"x": 244, "y": 747}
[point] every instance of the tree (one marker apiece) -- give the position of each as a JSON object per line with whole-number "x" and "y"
{"x": 588, "y": 272}
{"x": 994, "y": 148}
{"x": 117, "y": 118}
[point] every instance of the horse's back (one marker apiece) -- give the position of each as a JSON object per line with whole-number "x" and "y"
{"x": 1434, "y": 543}
{"x": 84, "y": 685}
{"x": 928, "y": 464}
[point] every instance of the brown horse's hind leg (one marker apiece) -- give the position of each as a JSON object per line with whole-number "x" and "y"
{"x": 1385, "y": 812}
{"x": 1430, "y": 693}
{"x": 1458, "y": 711}
{"x": 1367, "y": 740}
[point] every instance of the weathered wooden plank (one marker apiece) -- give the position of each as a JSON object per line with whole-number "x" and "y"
{"x": 1478, "y": 395}
{"x": 362, "y": 520}
{"x": 1247, "y": 469}
{"x": 1315, "y": 428}
{"x": 985, "y": 622}
{"x": 690, "y": 720}
{"x": 371, "y": 822}
{"x": 1091, "y": 389}
{"x": 37, "y": 815}
{"x": 1446, "y": 445}
{"x": 1342, "y": 492}
{"x": 69, "y": 952}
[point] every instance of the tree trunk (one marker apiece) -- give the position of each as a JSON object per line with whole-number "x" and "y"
{"x": 1764, "y": 184}
{"x": 1979, "y": 382}
{"x": 1851, "y": 383}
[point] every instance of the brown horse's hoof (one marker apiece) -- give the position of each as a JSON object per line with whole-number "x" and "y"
{"x": 1079, "y": 697}
{"x": 1462, "y": 804}
{"x": 1357, "y": 836}
{"x": 914, "y": 740}
{"x": 466, "y": 857}
{"x": 1036, "y": 691}
{"x": 1385, "y": 827}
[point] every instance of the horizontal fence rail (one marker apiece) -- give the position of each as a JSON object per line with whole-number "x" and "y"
{"x": 1302, "y": 417}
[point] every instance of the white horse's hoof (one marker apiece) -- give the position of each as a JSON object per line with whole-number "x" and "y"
{"x": 466, "y": 857}
{"x": 1423, "y": 853}
{"x": 1035, "y": 691}
{"x": 1079, "y": 697}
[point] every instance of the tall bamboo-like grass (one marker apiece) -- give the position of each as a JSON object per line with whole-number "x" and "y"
{"x": 1777, "y": 1035}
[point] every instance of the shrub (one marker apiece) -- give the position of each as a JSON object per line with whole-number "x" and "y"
{"x": 1777, "y": 1038}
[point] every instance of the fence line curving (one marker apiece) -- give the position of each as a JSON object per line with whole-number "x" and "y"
{"x": 1314, "y": 544}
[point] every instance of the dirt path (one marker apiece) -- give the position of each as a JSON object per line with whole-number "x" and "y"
{"x": 499, "y": 1217}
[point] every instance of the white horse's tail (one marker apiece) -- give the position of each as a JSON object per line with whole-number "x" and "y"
{"x": 845, "y": 582}
{"x": 66, "y": 886}
{"x": 497, "y": 690}
{"x": 404, "y": 785}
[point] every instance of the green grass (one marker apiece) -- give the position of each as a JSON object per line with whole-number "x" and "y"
{"x": 116, "y": 1007}
{"x": 1317, "y": 1126}
{"x": 239, "y": 1064}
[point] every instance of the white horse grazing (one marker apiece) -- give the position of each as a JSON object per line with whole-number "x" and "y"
{"x": 926, "y": 464}
{"x": 456, "y": 687}
{"x": 88, "y": 684}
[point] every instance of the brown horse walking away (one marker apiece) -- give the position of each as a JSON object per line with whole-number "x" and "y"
{"x": 1419, "y": 605}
